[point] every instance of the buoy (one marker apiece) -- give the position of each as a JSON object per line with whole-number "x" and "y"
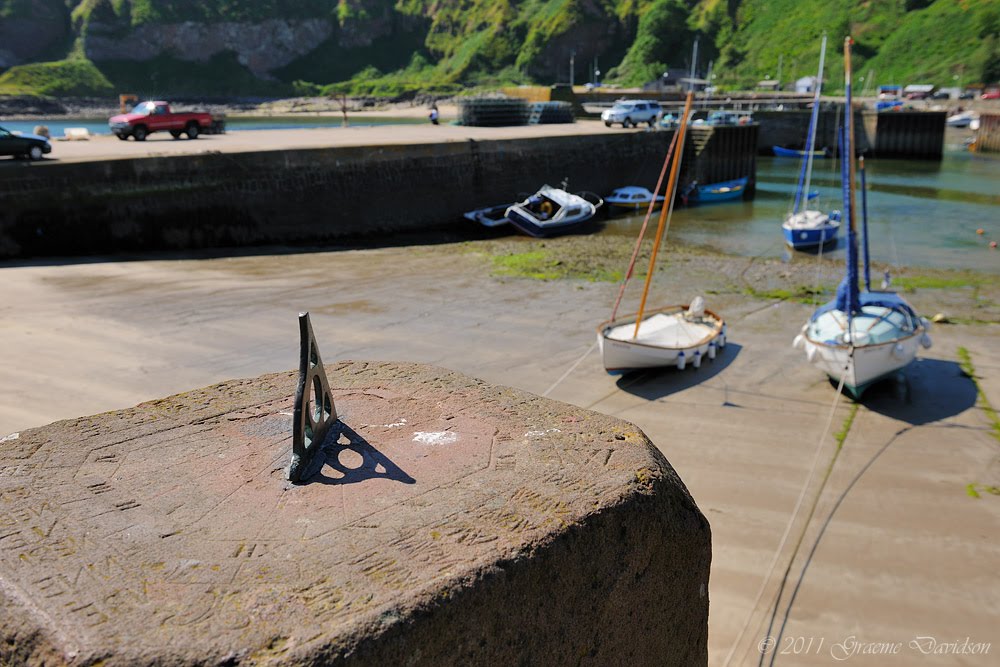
{"x": 799, "y": 341}
{"x": 680, "y": 360}
{"x": 980, "y": 231}
{"x": 711, "y": 350}
{"x": 993, "y": 244}
{"x": 925, "y": 340}
{"x": 898, "y": 350}
{"x": 810, "y": 353}
{"x": 696, "y": 362}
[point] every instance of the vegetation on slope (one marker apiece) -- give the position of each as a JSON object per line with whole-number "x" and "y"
{"x": 391, "y": 47}
{"x": 73, "y": 77}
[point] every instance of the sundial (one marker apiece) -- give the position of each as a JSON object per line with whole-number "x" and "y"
{"x": 170, "y": 533}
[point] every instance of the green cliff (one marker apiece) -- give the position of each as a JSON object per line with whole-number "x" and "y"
{"x": 388, "y": 47}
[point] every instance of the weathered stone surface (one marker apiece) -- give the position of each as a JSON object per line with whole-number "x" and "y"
{"x": 261, "y": 47}
{"x": 463, "y": 523}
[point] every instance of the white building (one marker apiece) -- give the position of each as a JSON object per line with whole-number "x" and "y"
{"x": 806, "y": 84}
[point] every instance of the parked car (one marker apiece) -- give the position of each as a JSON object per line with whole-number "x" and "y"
{"x": 632, "y": 112}
{"x": 31, "y": 146}
{"x": 967, "y": 95}
{"x": 941, "y": 95}
{"x": 148, "y": 117}
{"x": 991, "y": 95}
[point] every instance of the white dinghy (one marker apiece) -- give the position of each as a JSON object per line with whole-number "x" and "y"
{"x": 860, "y": 337}
{"x": 671, "y": 336}
{"x": 667, "y": 336}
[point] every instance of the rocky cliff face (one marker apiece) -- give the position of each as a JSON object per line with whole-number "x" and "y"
{"x": 27, "y": 34}
{"x": 260, "y": 47}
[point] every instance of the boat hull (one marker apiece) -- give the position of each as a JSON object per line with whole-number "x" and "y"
{"x": 810, "y": 238}
{"x": 780, "y": 151}
{"x": 626, "y": 355}
{"x": 718, "y": 192}
{"x": 531, "y": 227}
{"x": 491, "y": 216}
{"x": 869, "y": 363}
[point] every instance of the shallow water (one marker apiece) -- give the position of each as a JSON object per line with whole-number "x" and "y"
{"x": 921, "y": 213}
{"x": 57, "y": 126}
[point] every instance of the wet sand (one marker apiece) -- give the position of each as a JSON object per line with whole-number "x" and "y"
{"x": 907, "y": 553}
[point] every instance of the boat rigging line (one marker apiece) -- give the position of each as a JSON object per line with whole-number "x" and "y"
{"x": 667, "y": 210}
{"x": 645, "y": 224}
{"x": 791, "y": 520}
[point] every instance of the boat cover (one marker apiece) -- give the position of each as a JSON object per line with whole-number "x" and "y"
{"x": 665, "y": 330}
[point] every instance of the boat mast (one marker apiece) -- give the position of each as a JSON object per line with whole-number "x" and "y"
{"x": 668, "y": 205}
{"x": 848, "y": 300}
{"x": 813, "y": 123}
{"x": 865, "y": 257}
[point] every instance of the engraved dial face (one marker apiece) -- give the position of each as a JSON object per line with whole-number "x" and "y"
{"x": 177, "y": 513}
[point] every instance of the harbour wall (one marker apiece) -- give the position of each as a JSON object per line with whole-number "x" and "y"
{"x": 324, "y": 195}
{"x": 891, "y": 134}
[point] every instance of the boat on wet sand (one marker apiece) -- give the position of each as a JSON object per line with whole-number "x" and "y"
{"x": 631, "y": 197}
{"x": 667, "y": 336}
{"x": 860, "y": 337}
{"x": 670, "y": 336}
{"x": 490, "y": 216}
{"x": 551, "y": 211}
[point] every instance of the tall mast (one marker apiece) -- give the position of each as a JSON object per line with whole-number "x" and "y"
{"x": 668, "y": 205}
{"x": 852, "y": 223}
{"x": 848, "y": 298}
{"x": 813, "y": 122}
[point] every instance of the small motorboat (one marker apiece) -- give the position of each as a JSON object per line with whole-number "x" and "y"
{"x": 716, "y": 192}
{"x": 963, "y": 119}
{"x": 781, "y": 151}
{"x": 551, "y": 211}
{"x": 491, "y": 216}
{"x": 632, "y": 197}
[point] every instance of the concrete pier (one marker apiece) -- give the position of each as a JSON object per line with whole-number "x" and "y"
{"x": 322, "y": 194}
{"x": 454, "y": 523}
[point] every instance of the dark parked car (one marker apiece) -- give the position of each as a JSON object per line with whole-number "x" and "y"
{"x": 23, "y": 145}
{"x": 941, "y": 95}
{"x": 967, "y": 95}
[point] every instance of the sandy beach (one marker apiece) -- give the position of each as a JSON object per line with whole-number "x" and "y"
{"x": 900, "y": 539}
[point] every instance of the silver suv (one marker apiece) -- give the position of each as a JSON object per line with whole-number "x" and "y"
{"x": 632, "y": 112}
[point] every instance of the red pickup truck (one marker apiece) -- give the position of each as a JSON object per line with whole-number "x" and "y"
{"x": 148, "y": 117}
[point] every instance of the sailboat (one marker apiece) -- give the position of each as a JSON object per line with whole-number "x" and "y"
{"x": 860, "y": 337}
{"x": 805, "y": 227}
{"x": 669, "y": 336}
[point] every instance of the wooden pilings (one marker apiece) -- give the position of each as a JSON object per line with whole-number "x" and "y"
{"x": 988, "y": 134}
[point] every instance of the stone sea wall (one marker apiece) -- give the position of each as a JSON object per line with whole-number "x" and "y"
{"x": 313, "y": 196}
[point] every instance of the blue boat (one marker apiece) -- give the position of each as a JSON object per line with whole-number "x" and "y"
{"x": 715, "y": 193}
{"x": 781, "y": 151}
{"x": 806, "y": 228}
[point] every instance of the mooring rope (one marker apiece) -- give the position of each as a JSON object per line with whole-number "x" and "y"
{"x": 571, "y": 369}
{"x": 792, "y": 518}
{"x": 645, "y": 224}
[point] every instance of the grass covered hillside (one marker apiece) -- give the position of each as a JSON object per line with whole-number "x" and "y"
{"x": 389, "y": 47}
